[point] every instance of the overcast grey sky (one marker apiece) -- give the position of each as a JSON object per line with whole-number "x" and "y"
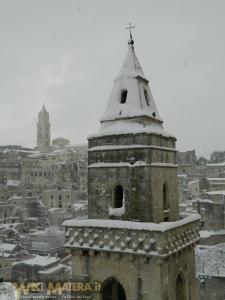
{"x": 67, "y": 53}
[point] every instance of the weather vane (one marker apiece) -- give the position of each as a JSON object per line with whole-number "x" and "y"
{"x": 129, "y": 28}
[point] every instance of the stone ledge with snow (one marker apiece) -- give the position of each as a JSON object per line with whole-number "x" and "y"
{"x": 163, "y": 239}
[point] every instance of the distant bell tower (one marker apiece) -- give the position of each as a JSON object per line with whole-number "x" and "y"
{"x": 43, "y": 130}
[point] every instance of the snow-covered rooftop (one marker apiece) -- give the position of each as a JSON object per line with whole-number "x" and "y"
{"x": 7, "y": 247}
{"x": 38, "y": 260}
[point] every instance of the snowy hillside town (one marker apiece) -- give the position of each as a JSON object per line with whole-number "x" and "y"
{"x": 50, "y": 225}
{"x": 112, "y": 161}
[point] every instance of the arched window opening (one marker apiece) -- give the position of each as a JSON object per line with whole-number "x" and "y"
{"x": 60, "y": 197}
{"x": 5, "y": 214}
{"x": 118, "y": 196}
{"x": 60, "y": 203}
{"x": 180, "y": 288}
{"x": 147, "y": 99}
{"x": 112, "y": 290}
{"x": 165, "y": 202}
{"x": 123, "y": 96}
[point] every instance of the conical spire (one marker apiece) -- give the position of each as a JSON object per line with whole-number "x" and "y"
{"x": 131, "y": 66}
{"x": 131, "y": 100}
{"x": 43, "y": 109}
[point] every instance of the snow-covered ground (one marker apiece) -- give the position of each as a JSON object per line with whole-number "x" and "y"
{"x": 7, "y": 291}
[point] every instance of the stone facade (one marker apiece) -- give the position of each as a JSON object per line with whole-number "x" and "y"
{"x": 149, "y": 167}
{"x": 58, "y": 198}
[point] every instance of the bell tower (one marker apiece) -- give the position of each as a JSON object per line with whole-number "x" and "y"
{"x": 134, "y": 242}
{"x": 43, "y": 131}
{"x": 132, "y": 159}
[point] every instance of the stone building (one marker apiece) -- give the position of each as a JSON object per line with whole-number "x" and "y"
{"x": 58, "y": 198}
{"x": 9, "y": 253}
{"x": 217, "y": 157}
{"x": 215, "y": 170}
{"x": 61, "y": 168}
{"x": 210, "y": 262}
{"x": 40, "y": 268}
{"x": 134, "y": 242}
{"x": 43, "y": 131}
{"x": 47, "y": 242}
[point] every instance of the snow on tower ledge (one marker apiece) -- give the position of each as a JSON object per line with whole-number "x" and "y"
{"x": 131, "y": 107}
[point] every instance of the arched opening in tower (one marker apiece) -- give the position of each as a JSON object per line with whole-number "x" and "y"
{"x": 118, "y": 196}
{"x": 147, "y": 99}
{"x": 112, "y": 290}
{"x": 165, "y": 202}
{"x": 60, "y": 201}
{"x": 123, "y": 97}
{"x": 180, "y": 288}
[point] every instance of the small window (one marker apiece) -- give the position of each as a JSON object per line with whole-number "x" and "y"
{"x": 147, "y": 99}
{"x": 165, "y": 203}
{"x": 118, "y": 196}
{"x": 165, "y": 197}
{"x": 60, "y": 203}
{"x": 123, "y": 97}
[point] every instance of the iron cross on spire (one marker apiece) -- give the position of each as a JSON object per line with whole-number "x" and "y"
{"x": 129, "y": 28}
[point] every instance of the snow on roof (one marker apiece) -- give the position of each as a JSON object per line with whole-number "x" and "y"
{"x": 129, "y": 165}
{"x": 193, "y": 181}
{"x": 57, "y": 268}
{"x": 215, "y": 193}
{"x": 216, "y": 179}
{"x": 129, "y": 127}
{"x": 138, "y": 103}
{"x": 117, "y": 165}
{"x": 79, "y": 205}
{"x": 210, "y": 260}
{"x": 11, "y": 182}
{"x": 132, "y": 225}
{"x": 208, "y": 233}
{"x": 39, "y": 260}
{"x": 216, "y": 164}
{"x": 52, "y": 230}
{"x": 7, "y": 247}
{"x": 26, "y": 151}
{"x": 132, "y": 146}
{"x": 203, "y": 200}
